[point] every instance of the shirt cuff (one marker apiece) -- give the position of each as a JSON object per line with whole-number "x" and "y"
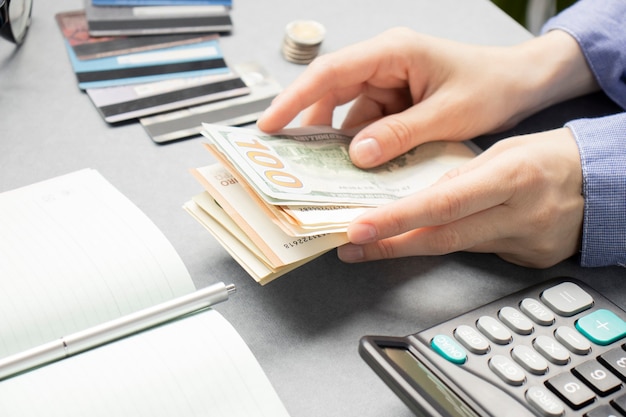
{"x": 602, "y": 146}
{"x": 598, "y": 29}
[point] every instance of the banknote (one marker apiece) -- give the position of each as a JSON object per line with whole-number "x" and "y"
{"x": 278, "y": 248}
{"x": 209, "y": 214}
{"x": 324, "y": 218}
{"x": 312, "y": 165}
{"x": 295, "y": 220}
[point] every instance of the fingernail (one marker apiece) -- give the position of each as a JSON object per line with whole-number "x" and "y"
{"x": 361, "y": 233}
{"x": 350, "y": 253}
{"x": 366, "y": 152}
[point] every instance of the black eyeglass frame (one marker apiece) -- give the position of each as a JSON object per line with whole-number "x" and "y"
{"x": 6, "y": 27}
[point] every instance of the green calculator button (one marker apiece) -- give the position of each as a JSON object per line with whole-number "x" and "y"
{"x": 602, "y": 327}
{"x": 449, "y": 348}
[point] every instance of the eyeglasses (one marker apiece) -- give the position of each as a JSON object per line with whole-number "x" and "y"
{"x": 15, "y": 19}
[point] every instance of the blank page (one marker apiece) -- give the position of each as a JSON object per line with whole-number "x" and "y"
{"x": 75, "y": 252}
{"x": 197, "y": 366}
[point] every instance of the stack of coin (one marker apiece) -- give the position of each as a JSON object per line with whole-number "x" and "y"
{"x": 302, "y": 41}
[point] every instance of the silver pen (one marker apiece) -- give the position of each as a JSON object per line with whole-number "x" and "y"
{"x": 114, "y": 329}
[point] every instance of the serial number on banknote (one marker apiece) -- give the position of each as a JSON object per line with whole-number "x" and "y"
{"x": 302, "y": 241}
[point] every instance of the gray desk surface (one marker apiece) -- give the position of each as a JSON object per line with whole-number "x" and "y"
{"x": 304, "y": 328}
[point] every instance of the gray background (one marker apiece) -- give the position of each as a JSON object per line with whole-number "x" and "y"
{"x": 304, "y": 327}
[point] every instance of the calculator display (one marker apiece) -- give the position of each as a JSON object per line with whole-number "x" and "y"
{"x": 438, "y": 391}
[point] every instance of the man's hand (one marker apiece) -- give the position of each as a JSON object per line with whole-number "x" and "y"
{"x": 521, "y": 199}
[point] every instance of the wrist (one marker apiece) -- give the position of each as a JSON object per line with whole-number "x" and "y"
{"x": 555, "y": 71}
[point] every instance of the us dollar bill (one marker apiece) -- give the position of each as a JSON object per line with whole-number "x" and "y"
{"x": 312, "y": 165}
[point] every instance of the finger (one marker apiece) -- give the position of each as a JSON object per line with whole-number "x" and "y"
{"x": 510, "y": 250}
{"x": 400, "y": 132}
{"x": 460, "y": 197}
{"x": 325, "y": 76}
{"x": 443, "y": 110}
{"x": 481, "y": 232}
{"x": 480, "y": 161}
{"x": 321, "y": 112}
{"x": 363, "y": 111}
{"x": 374, "y": 103}
{"x": 382, "y": 61}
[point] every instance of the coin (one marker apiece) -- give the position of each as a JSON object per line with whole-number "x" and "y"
{"x": 302, "y": 41}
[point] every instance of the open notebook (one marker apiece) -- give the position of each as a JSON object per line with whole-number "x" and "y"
{"x": 74, "y": 253}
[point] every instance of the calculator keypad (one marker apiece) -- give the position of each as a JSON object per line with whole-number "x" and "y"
{"x": 533, "y": 348}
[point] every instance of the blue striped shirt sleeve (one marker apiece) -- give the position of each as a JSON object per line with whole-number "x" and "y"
{"x": 602, "y": 146}
{"x": 599, "y": 28}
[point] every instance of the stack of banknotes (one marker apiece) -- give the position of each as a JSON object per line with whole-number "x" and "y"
{"x": 277, "y": 201}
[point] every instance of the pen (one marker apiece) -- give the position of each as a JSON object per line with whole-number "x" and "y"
{"x": 114, "y": 329}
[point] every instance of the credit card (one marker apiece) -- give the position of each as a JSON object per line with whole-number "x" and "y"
{"x": 187, "y": 123}
{"x": 116, "y": 104}
{"x": 192, "y": 60}
{"x": 153, "y": 20}
{"x": 74, "y": 28}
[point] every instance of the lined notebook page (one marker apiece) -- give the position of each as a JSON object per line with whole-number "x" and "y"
{"x": 75, "y": 252}
{"x": 197, "y": 366}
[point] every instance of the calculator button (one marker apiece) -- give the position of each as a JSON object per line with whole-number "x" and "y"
{"x": 572, "y": 340}
{"x": 620, "y": 403}
{"x": 567, "y": 299}
{"x": 551, "y": 350}
{"x": 471, "y": 339}
{"x": 602, "y": 327}
{"x": 615, "y": 359}
{"x": 602, "y": 411}
{"x": 597, "y": 377}
{"x": 449, "y": 349}
{"x": 572, "y": 390}
{"x": 545, "y": 402}
{"x": 538, "y": 313}
{"x": 494, "y": 330}
{"x": 517, "y": 321}
{"x": 529, "y": 359}
{"x": 507, "y": 370}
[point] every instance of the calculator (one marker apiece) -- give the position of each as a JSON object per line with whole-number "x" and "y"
{"x": 554, "y": 349}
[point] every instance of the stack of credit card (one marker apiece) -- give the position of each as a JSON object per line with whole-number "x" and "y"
{"x": 131, "y": 77}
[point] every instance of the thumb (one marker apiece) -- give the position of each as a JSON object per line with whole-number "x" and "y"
{"x": 396, "y": 134}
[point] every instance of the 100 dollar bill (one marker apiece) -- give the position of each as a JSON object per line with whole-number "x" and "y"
{"x": 312, "y": 165}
